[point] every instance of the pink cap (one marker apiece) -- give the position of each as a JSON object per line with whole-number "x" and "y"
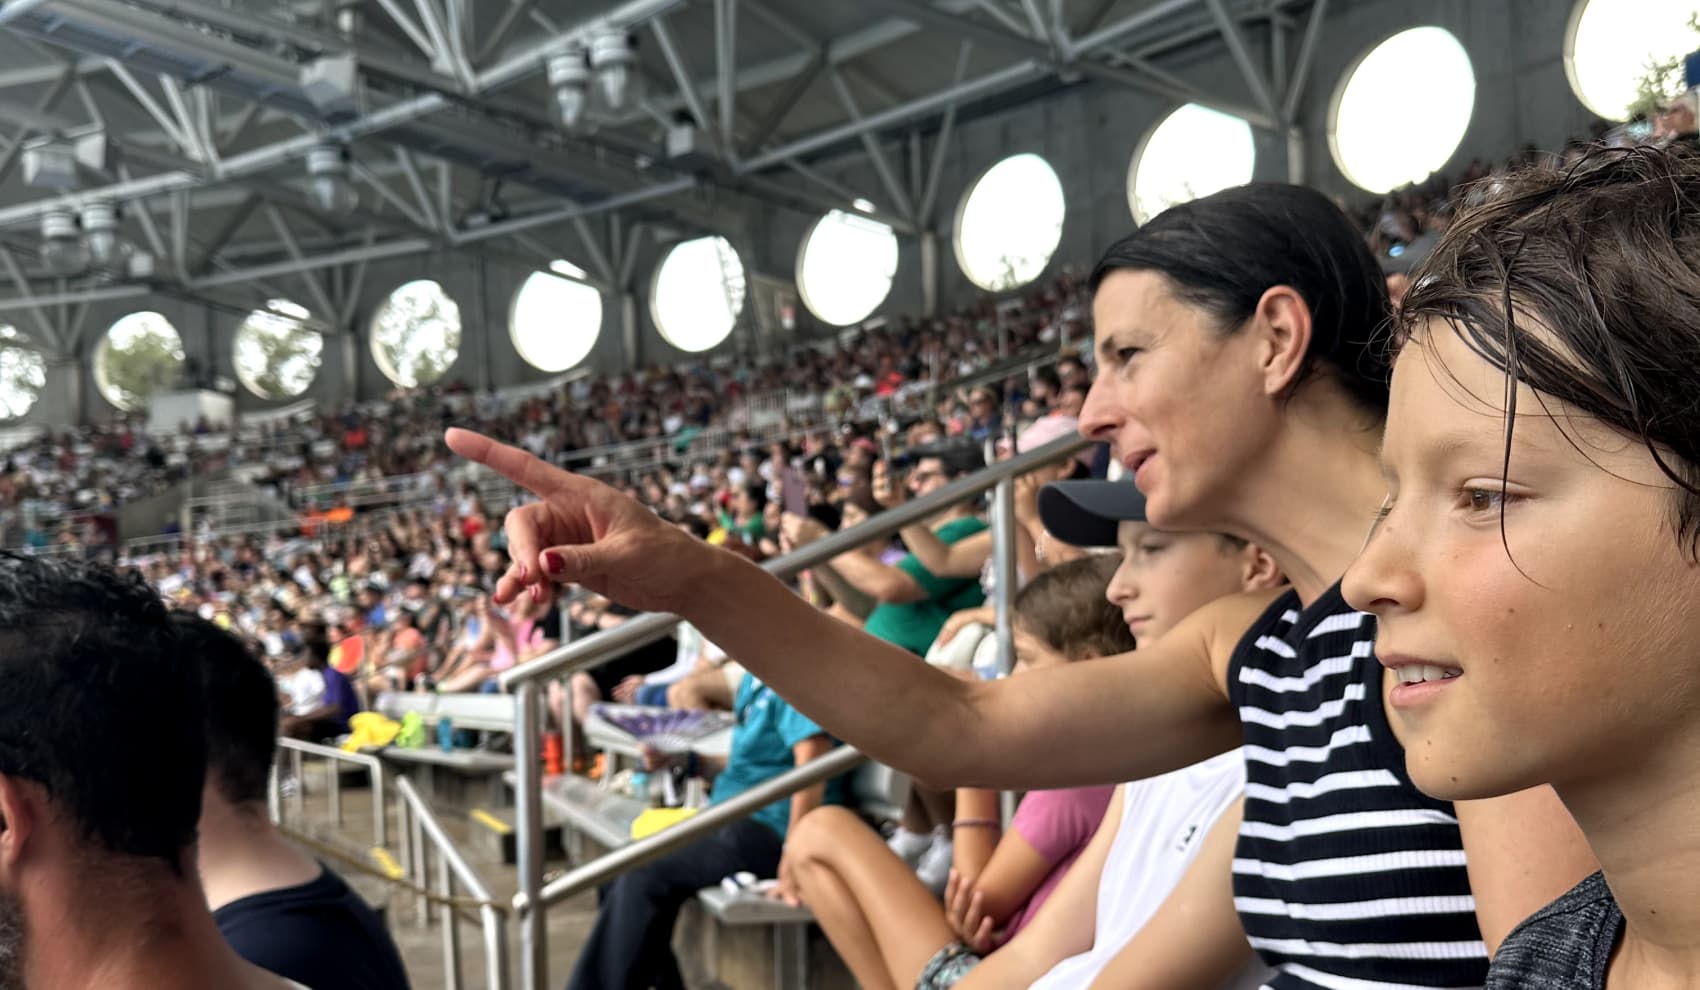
{"x": 1048, "y": 429}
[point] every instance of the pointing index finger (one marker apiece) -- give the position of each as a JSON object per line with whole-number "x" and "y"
{"x": 518, "y": 466}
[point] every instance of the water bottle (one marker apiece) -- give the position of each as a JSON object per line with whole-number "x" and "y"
{"x": 987, "y": 666}
{"x": 446, "y": 734}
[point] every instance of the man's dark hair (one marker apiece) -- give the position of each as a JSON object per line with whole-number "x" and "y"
{"x": 1221, "y": 253}
{"x": 240, "y": 704}
{"x": 957, "y": 457}
{"x": 100, "y": 705}
{"x": 757, "y": 491}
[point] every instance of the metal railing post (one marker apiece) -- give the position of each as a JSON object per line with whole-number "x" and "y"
{"x": 300, "y": 798}
{"x": 495, "y": 947}
{"x": 1004, "y": 571}
{"x": 274, "y": 795}
{"x": 453, "y": 976}
{"x": 334, "y": 790}
{"x": 528, "y": 801}
{"x": 403, "y": 815}
{"x": 421, "y": 878}
{"x": 380, "y": 809}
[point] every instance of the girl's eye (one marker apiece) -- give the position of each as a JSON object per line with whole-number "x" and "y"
{"x": 1126, "y": 354}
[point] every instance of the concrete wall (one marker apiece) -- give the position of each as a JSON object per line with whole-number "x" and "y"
{"x": 1088, "y": 132}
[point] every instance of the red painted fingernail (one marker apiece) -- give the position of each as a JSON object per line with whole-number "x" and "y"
{"x": 536, "y": 593}
{"x": 552, "y": 562}
{"x": 524, "y": 572}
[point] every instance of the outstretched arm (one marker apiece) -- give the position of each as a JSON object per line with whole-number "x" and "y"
{"x": 1123, "y": 718}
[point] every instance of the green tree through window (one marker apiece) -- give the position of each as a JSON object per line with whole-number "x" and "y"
{"x": 416, "y": 334}
{"x": 277, "y": 353}
{"x": 142, "y": 354}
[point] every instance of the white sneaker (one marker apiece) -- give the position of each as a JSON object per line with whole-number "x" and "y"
{"x": 910, "y": 846}
{"x": 934, "y": 868}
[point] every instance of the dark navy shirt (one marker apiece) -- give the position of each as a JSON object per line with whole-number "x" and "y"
{"x": 319, "y": 934}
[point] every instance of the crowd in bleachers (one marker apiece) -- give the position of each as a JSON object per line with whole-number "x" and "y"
{"x": 63, "y": 486}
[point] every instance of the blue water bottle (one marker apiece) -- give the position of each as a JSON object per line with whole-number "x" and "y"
{"x": 446, "y": 734}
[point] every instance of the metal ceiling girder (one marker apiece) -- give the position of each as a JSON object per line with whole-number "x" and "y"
{"x": 1241, "y": 54}
{"x": 1078, "y": 58}
{"x": 876, "y": 154}
{"x": 726, "y": 69}
{"x": 27, "y": 296}
{"x": 941, "y": 148}
{"x": 511, "y": 16}
{"x": 49, "y": 100}
{"x": 986, "y": 85}
{"x": 518, "y": 66}
{"x": 681, "y": 72}
{"x": 1300, "y": 73}
{"x": 1112, "y": 33}
{"x": 315, "y": 285}
{"x": 786, "y": 102}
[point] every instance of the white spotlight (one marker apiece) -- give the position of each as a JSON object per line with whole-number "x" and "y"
{"x": 614, "y": 59}
{"x": 100, "y": 233}
{"x": 62, "y": 250}
{"x": 569, "y": 77}
{"x": 327, "y": 166}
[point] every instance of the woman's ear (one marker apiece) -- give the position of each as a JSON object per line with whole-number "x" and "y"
{"x": 18, "y": 812}
{"x": 1284, "y": 321}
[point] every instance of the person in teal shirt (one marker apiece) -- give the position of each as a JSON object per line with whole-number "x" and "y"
{"x": 631, "y": 943}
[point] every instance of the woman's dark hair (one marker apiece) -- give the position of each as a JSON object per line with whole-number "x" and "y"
{"x": 1584, "y": 284}
{"x": 1221, "y": 253}
{"x": 1066, "y": 608}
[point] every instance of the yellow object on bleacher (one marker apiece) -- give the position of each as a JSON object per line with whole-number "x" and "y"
{"x": 656, "y": 819}
{"x": 370, "y": 729}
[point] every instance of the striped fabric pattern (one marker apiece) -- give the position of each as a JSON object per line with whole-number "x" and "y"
{"x": 1346, "y": 876}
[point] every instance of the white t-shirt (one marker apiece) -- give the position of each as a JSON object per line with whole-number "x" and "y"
{"x": 306, "y": 690}
{"x": 1164, "y": 822}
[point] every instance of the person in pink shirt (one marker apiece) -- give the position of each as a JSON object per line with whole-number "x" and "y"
{"x": 999, "y": 879}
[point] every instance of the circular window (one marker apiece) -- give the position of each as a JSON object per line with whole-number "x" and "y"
{"x": 277, "y": 353}
{"x": 698, "y": 293}
{"x": 141, "y": 354}
{"x": 845, "y": 268}
{"x": 1615, "y": 50}
{"x": 1009, "y": 223}
{"x": 556, "y": 318}
{"x": 1167, "y": 169}
{"x": 1383, "y": 132}
{"x": 416, "y": 334}
{"x": 23, "y": 373}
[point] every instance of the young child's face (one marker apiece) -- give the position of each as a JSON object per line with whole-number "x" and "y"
{"x": 1541, "y": 616}
{"x": 1164, "y": 577}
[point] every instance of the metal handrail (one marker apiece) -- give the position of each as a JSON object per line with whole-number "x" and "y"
{"x": 452, "y": 867}
{"x": 840, "y": 760}
{"x": 298, "y": 748}
{"x": 642, "y": 630}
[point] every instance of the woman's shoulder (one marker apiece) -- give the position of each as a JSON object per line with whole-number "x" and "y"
{"x": 1564, "y": 946}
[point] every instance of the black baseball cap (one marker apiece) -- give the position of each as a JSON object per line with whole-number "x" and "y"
{"x": 1086, "y": 513}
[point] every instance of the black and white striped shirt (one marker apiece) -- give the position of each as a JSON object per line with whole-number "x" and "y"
{"x": 1346, "y": 876}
